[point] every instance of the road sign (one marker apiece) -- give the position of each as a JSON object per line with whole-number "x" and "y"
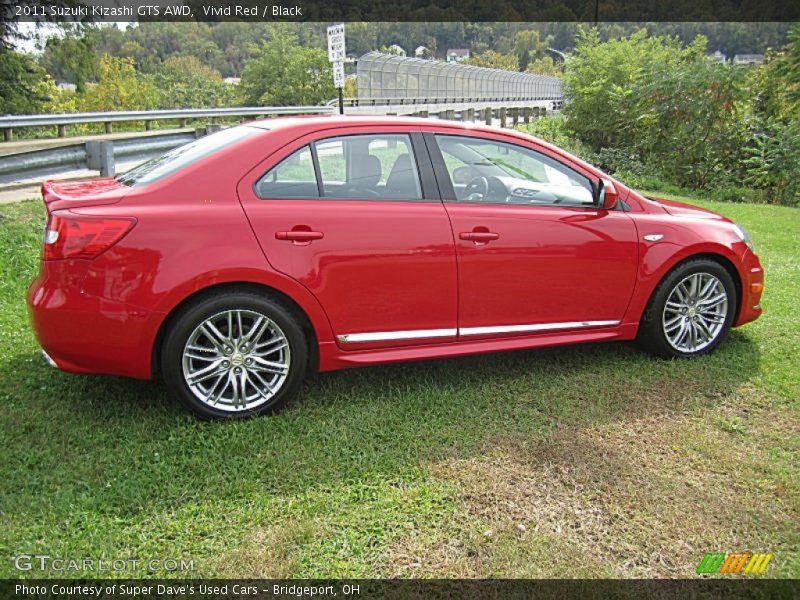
{"x": 338, "y": 74}
{"x": 336, "y": 51}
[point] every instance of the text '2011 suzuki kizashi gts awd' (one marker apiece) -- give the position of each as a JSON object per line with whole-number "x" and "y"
{"x": 233, "y": 265}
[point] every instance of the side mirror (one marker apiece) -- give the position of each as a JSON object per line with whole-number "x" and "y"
{"x": 607, "y": 196}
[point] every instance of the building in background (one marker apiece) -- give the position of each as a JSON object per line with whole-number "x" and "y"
{"x": 458, "y": 55}
{"x": 748, "y": 60}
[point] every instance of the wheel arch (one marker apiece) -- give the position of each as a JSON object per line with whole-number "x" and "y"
{"x": 198, "y": 295}
{"x": 721, "y": 259}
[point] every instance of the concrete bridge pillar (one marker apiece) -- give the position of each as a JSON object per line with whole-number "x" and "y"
{"x": 487, "y": 115}
{"x": 470, "y": 115}
{"x": 502, "y": 115}
{"x": 515, "y": 116}
{"x": 526, "y": 115}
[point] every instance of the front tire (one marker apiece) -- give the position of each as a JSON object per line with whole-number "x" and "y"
{"x": 690, "y": 311}
{"x": 234, "y": 355}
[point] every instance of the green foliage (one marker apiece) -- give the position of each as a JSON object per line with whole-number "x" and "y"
{"x": 544, "y": 65}
{"x": 776, "y": 84}
{"x": 692, "y": 121}
{"x": 186, "y": 82}
{"x": 653, "y": 111}
{"x": 773, "y": 162}
{"x": 495, "y": 60}
{"x": 19, "y": 75}
{"x": 600, "y": 80}
{"x": 119, "y": 87}
{"x": 283, "y": 73}
{"x": 71, "y": 58}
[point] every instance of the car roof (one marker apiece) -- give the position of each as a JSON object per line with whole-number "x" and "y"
{"x": 311, "y": 122}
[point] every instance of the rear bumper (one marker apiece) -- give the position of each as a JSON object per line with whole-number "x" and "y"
{"x": 80, "y": 333}
{"x": 752, "y": 288}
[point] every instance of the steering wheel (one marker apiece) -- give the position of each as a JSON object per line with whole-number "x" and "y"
{"x": 477, "y": 189}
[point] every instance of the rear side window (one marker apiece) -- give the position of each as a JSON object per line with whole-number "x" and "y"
{"x": 183, "y": 156}
{"x": 380, "y": 166}
{"x": 354, "y": 167}
{"x": 293, "y": 177}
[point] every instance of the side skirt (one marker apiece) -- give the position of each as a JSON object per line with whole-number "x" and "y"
{"x": 332, "y": 357}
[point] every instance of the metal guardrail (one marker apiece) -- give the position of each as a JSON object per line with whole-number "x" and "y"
{"x": 93, "y": 155}
{"x": 101, "y": 156}
{"x": 11, "y": 122}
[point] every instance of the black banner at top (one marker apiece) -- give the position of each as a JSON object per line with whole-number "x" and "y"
{"x": 99, "y": 11}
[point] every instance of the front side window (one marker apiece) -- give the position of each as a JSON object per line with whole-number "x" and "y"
{"x": 183, "y": 156}
{"x": 293, "y": 177}
{"x": 488, "y": 171}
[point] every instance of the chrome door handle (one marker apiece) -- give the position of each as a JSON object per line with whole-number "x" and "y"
{"x": 299, "y": 235}
{"x": 479, "y": 236}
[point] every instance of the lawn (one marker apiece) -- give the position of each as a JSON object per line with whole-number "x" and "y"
{"x": 587, "y": 461}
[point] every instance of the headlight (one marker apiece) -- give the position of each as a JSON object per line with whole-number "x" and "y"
{"x": 742, "y": 233}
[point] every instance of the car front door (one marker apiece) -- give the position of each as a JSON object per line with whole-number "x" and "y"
{"x": 535, "y": 253}
{"x": 356, "y": 218}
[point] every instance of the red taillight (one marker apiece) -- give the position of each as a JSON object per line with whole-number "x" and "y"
{"x": 77, "y": 236}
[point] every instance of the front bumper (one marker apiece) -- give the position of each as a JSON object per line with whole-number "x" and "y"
{"x": 752, "y": 288}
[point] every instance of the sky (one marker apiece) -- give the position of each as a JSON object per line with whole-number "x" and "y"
{"x": 32, "y": 31}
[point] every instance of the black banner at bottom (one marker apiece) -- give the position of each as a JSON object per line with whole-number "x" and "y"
{"x": 262, "y": 589}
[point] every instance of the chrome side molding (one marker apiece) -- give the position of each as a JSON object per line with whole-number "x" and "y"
{"x": 386, "y": 336}
{"x": 420, "y": 334}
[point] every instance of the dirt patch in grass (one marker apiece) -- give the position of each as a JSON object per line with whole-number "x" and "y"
{"x": 645, "y": 497}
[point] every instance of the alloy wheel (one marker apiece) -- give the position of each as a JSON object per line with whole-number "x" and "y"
{"x": 695, "y": 312}
{"x": 236, "y": 360}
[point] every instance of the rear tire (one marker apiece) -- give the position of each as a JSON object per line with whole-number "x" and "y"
{"x": 234, "y": 355}
{"x": 690, "y": 312}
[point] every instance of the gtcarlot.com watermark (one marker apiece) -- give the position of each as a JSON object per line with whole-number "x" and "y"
{"x": 56, "y": 564}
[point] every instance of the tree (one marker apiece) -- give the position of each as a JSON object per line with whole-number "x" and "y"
{"x": 495, "y": 60}
{"x": 527, "y": 46}
{"x": 19, "y": 75}
{"x": 599, "y": 81}
{"x": 283, "y": 73}
{"x": 544, "y": 66}
{"x": 185, "y": 82}
{"x": 119, "y": 87}
{"x": 71, "y": 58}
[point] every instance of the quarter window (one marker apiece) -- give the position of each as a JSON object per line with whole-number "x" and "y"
{"x": 293, "y": 177}
{"x": 496, "y": 172}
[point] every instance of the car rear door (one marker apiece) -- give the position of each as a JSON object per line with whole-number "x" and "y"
{"x": 355, "y": 217}
{"x": 535, "y": 254}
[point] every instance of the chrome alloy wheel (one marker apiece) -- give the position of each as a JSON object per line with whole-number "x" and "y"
{"x": 695, "y": 312}
{"x": 236, "y": 360}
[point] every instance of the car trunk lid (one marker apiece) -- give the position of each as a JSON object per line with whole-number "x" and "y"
{"x": 82, "y": 192}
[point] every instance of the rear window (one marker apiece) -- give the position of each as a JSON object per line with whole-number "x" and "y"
{"x": 183, "y": 156}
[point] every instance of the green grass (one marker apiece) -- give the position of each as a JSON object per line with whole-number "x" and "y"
{"x": 571, "y": 462}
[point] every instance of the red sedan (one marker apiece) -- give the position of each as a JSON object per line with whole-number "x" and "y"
{"x": 234, "y": 264}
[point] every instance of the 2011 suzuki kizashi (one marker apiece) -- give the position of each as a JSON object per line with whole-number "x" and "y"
{"x": 234, "y": 264}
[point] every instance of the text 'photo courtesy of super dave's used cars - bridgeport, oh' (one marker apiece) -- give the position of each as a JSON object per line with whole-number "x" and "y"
{"x": 234, "y": 265}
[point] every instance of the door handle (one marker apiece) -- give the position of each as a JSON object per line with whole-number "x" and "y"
{"x": 479, "y": 237}
{"x": 299, "y": 235}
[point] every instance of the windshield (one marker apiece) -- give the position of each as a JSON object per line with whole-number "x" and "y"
{"x": 182, "y": 156}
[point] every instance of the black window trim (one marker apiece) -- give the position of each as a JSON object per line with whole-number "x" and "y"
{"x": 425, "y": 171}
{"x": 448, "y": 193}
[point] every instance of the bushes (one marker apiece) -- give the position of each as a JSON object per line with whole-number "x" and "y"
{"x": 773, "y": 162}
{"x": 652, "y": 111}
